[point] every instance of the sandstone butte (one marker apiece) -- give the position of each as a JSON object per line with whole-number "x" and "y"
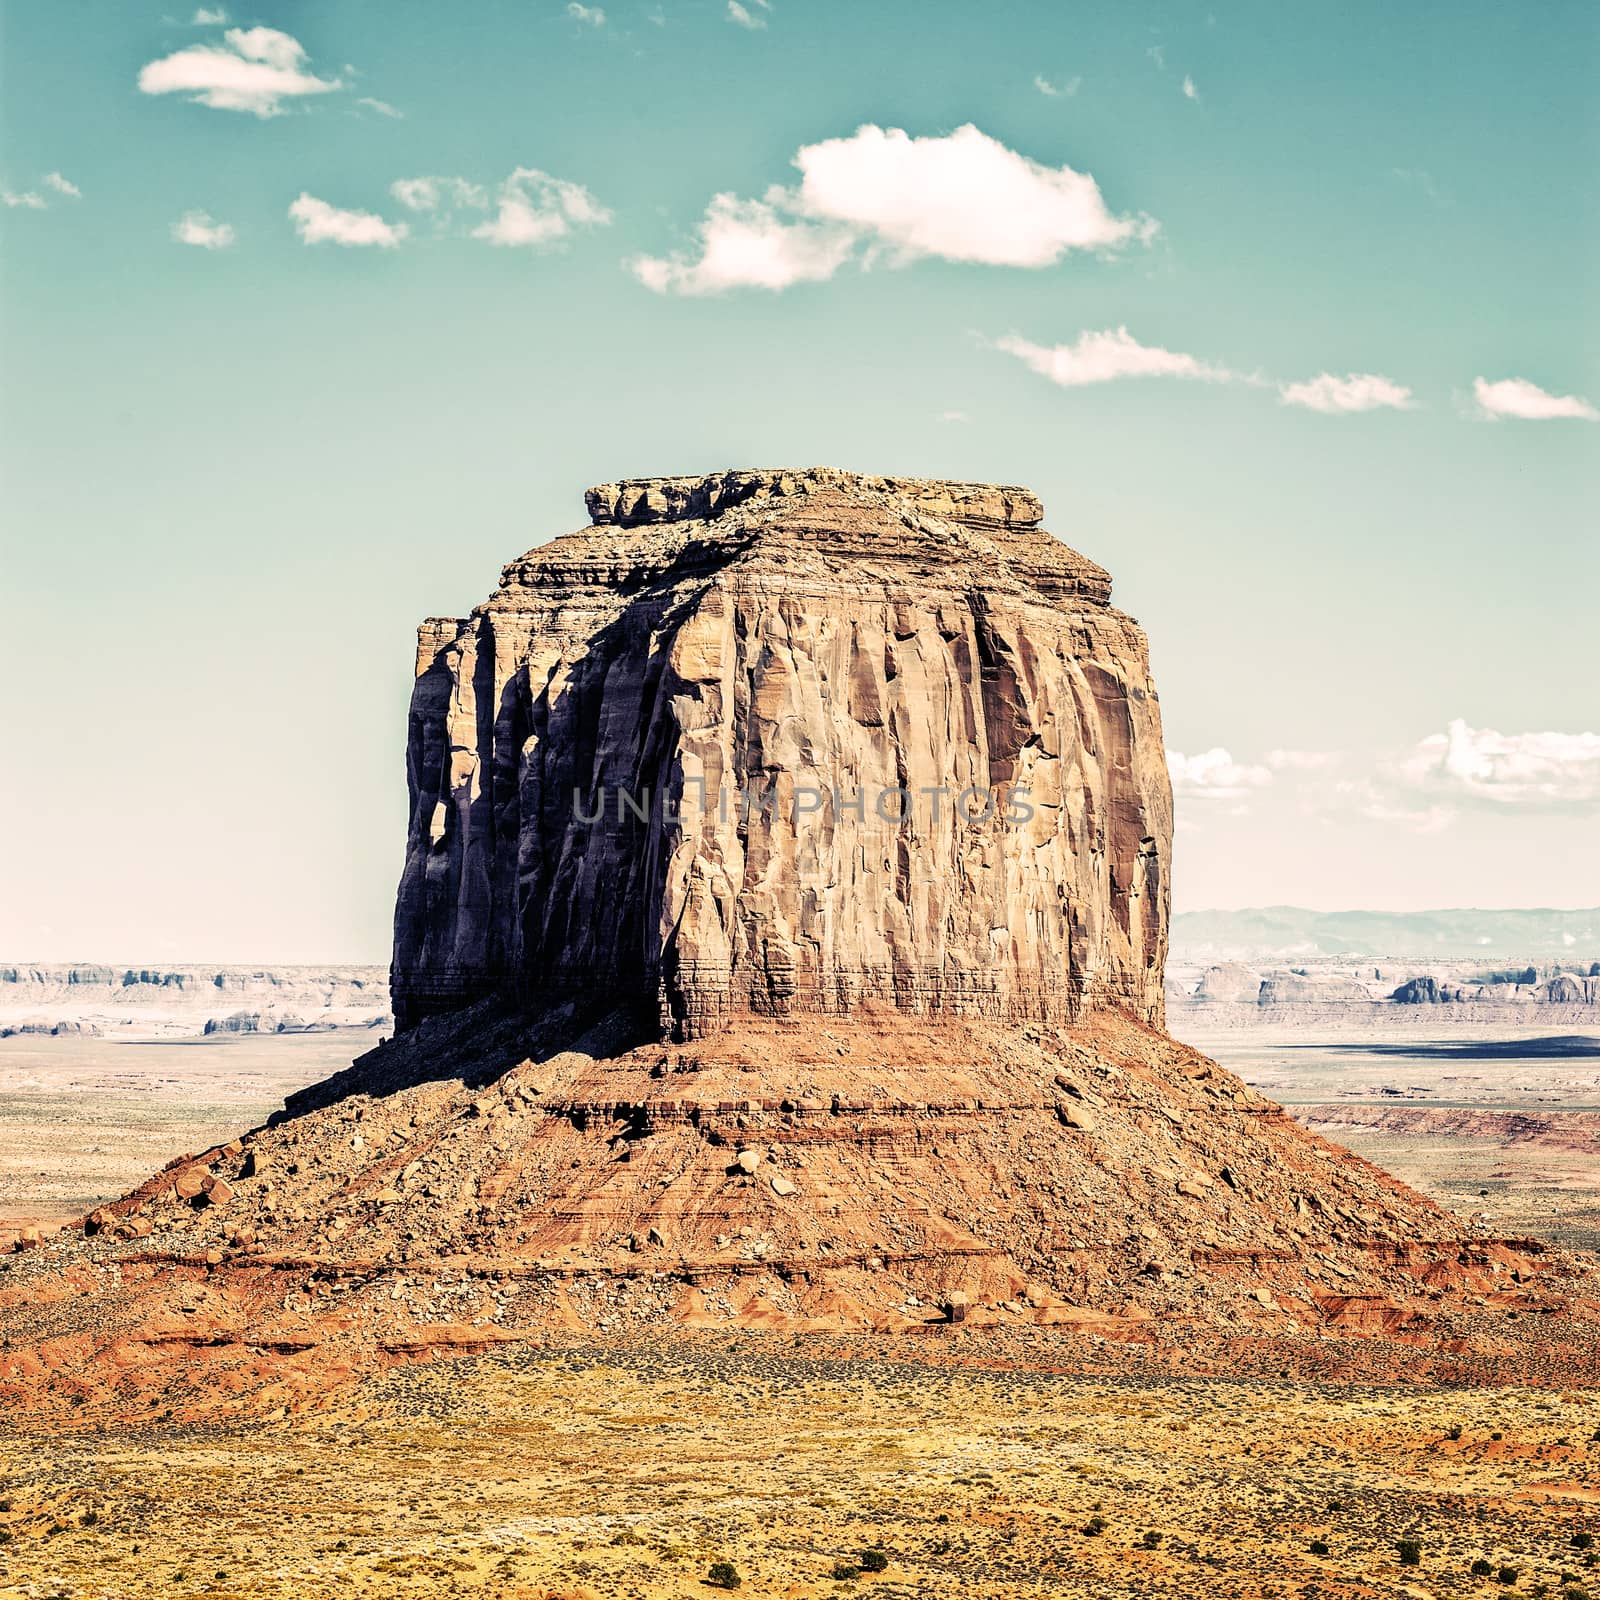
{"x": 798, "y": 1064}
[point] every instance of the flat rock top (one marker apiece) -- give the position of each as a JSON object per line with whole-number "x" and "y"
{"x": 811, "y": 524}
{"x": 636, "y": 502}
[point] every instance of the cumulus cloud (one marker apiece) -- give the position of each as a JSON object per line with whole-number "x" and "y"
{"x": 1516, "y": 397}
{"x": 1189, "y": 90}
{"x": 201, "y": 229}
{"x": 1107, "y": 356}
{"x": 319, "y": 223}
{"x": 205, "y": 18}
{"x": 535, "y": 209}
{"x": 1359, "y": 391}
{"x": 1063, "y": 90}
{"x": 747, "y": 244}
{"x": 1426, "y": 789}
{"x": 962, "y": 197}
{"x": 743, "y": 17}
{"x": 593, "y": 15}
{"x": 433, "y": 194}
{"x": 1542, "y": 770}
{"x": 32, "y": 200}
{"x": 253, "y": 70}
{"x": 382, "y": 107}
{"x": 531, "y": 207}
{"x": 1215, "y": 775}
{"x": 959, "y": 197}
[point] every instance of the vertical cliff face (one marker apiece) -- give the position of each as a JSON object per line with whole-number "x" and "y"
{"x": 789, "y": 741}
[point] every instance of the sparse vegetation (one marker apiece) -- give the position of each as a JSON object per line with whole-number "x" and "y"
{"x": 652, "y": 1530}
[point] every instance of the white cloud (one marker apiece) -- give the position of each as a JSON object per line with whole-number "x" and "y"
{"x": 1542, "y": 770}
{"x": 1215, "y": 775}
{"x": 1516, "y": 397}
{"x": 959, "y": 197}
{"x": 737, "y": 13}
{"x": 254, "y": 70}
{"x": 1301, "y": 760}
{"x": 1189, "y": 90}
{"x": 1104, "y": 357}
{"x": 32, "y": 200}
{"x": 962, "y": 196}
{"x": 593, "y": 15}
{"x": 1063, "y": 90}
{"x": 205, "y": 18}
{"x": 1380, "y": 805}
{"x": 954, "y": 416}
{"x": 747, "y": 244}
{"x": 530, "y": 207}
{"x": 537, "y": 209}
{"x": 382, "y": 107}
{"x": 1360, "y": 391}
{"x": 429, "y": 194}
{"x": 317, "y": 222}
{"x": 201, "y": 229}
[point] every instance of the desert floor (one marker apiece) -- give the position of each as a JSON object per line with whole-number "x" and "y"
{"x": 1498, "y": 1121}
{"x": 84, "y": 1119}
{"x": 581, "y": 1470}
{"x": 567, "y": 1468}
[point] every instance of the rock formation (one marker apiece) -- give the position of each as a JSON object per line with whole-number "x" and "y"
{"x": 780, "y": 742}
{"x": 816, "y": 1068}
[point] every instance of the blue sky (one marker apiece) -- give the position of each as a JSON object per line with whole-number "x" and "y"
{"x": 239, "y": 469}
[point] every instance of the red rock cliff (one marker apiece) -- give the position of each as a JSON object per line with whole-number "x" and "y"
{"x": 785, "y": 741}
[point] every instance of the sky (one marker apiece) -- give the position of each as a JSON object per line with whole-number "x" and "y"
{"x": 314, "y": 316}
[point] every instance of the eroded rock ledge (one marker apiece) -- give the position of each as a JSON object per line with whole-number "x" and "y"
{"x": 635, "y": 502}
{"x": 655, "y": 760}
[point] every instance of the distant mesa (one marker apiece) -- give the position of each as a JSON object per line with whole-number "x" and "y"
{"x": 189, "y": 1001}
{"x": 1317, "y": 991}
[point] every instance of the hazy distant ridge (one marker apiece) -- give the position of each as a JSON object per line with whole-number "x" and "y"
{"x": 1289, "y": 931}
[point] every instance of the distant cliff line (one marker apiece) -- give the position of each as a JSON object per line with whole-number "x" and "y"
{"x": 183, "y": 1000}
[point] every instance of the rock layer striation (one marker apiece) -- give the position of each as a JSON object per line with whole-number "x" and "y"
{"x": 779, "y": 742}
